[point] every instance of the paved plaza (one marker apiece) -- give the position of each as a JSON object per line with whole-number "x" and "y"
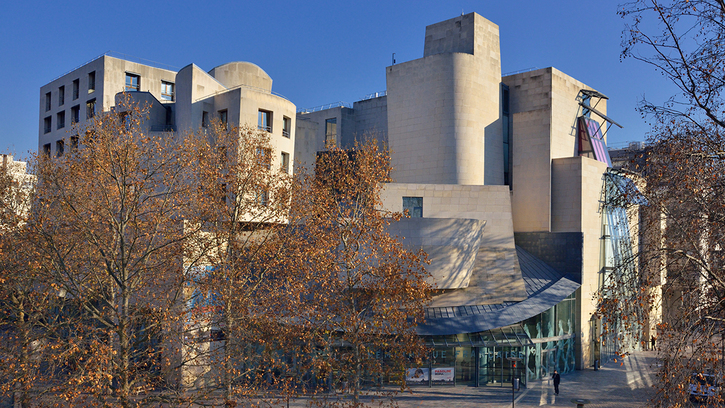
{"x": 622, "y": 384}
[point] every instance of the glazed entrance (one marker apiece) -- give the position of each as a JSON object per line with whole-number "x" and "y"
{"x": 493, "y": 357}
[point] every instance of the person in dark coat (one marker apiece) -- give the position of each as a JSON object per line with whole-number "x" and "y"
{"x": 557, "y": 380}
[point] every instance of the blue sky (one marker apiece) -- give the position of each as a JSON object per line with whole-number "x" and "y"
{"x": 316, "y": 52}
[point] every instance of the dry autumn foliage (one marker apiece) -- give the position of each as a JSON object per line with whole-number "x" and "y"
{"x": 193, "y": 270}
{"x": 107, "y": 227}
{"x": 368, "y": 291}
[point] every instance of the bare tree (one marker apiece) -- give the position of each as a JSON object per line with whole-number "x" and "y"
{"x": 681, "y": 231}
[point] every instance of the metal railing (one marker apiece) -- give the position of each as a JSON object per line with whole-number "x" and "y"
{"x": 520, "y": 71}
{"x": 339, "y": 104}
{"x": 375, "y": 95}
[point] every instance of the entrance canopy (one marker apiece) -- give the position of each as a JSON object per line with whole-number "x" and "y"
{"x": 509, "y": 336}
{"x": 545, "y": 287}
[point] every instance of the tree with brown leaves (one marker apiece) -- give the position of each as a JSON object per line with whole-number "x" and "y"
{"x": 238, "y": 264}
{"x": 367, "y": 291}
{"x": 107, "y": 226}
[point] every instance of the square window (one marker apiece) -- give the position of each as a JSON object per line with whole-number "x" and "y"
{"x": 133, "y": 83}
{"x": 413, "y": 206}
{"x": 205, "y": 119}
{"x": 74, "y": 143}
{"x": 284, "y": 162}
{"x": 59, "y": 148}
{"x": 91, "y": 108}
{"x": 167, "y": 91}
{"x": 92, "y": 82}
{"x": 47, "y": 101}
{"x": 330, "y": 132}
{"x": 61, "y": 96}
{"x": 75, "y": 114}
{"x": 60, "y": 120}
{"x": 47, "y": 124}
{"x": 286, "y": 126}
{"x": 264, "y": 121}
{"x": 46, "y": 150}
{"x": 76, "y": 86}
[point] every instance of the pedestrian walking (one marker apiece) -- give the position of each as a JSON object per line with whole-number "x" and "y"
{"x": 557, "y": 380}
{"x": 654, "y": 342}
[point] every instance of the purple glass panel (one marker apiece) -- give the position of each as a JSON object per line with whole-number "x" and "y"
{"x": 597, "y": 141}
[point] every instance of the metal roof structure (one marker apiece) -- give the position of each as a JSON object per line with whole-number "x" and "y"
{"x": 545, "y": 287}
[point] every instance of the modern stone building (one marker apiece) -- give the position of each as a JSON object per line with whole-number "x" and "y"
{"x": 502, "y": 177}
{"x": 183, "y": 101}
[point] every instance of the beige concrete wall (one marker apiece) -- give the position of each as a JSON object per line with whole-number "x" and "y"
{"x": 371, "y": 120}
{"x": 545, "y": 106}
{"x": 530, "y": 107}
{"x": 489, "y": 203}
{"x": 566, "y": 194}
{"x": 81, "y": 74}
{"x": 252, "y": 101}
{"x": 239, "y": 73}
{"x": 114, "y": 79}
{"x": 444, "y": 109}
{"x": 110, "y": 75}
{"x": 192, "y": 86}
{"x": 307, "y": 142}
{"x": 495, "y": 276}
{"x": 565, "y": 110}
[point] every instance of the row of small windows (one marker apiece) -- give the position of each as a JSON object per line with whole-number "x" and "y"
{"x": 264, "y": 155}
{"x": 76, "y": 91}
{"x": 264, "y": 121}
{"x": 133, "y": 84}
{"x": 60, "y": 147}
{"x": 75, "y": 116}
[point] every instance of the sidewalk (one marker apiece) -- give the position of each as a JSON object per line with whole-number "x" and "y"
{"x": 614, "y": 385}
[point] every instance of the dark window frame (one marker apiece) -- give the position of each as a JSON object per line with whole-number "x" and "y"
{"x": 132, "y": 82}
{"x": 90, "y": 108}
{"x": 413, "y": 207}
{"x": 92, "y": 82}
{"x": 60, "y": 120}
{"x": 76, "y": 88}
{"x": 264, "y": 120}
{"x": 167, "y": 91}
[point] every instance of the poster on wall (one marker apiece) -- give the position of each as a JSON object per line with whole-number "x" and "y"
{"x": 444, "y": 374}
{"x": 417, "y": 374}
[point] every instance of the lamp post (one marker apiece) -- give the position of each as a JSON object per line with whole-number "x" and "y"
{"x": 514, "y": 361}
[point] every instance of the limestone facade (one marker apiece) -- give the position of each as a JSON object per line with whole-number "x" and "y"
{"x": 482, "y": 150}
{"x": 182, "y": 101}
